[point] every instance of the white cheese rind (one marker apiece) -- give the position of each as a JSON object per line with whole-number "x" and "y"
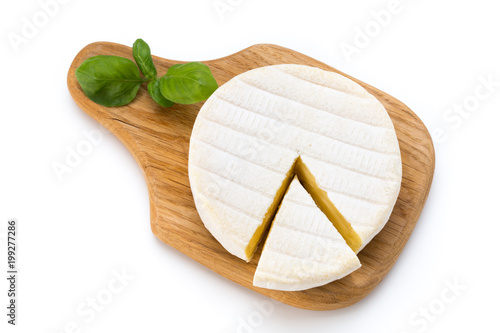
{"x": 250, "y": 131}
{"x": 303, "y": 249}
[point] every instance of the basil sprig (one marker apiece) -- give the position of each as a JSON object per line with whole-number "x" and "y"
{"x": 115, "y": 81}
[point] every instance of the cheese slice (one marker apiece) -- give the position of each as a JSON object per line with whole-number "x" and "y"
{"x": 266, "y": 125}
{"x": 303, "y": 249}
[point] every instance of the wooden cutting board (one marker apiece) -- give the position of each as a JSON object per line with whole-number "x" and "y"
{"x": 158, "y": 138}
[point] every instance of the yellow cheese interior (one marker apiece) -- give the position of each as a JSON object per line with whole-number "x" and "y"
{"x": 321, "y": 199}
{"x": 271, "y": 212}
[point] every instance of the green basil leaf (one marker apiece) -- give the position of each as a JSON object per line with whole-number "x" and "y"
{"x": 142, "y": 56}
{"x": 109, "y": 80}
{"x": 188, "y": 83}
{"x": 155, "y": 93}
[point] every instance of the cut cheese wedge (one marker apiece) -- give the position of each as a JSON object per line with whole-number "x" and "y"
{"x": 303, "y": 249}
{"x": 266, "y": 125}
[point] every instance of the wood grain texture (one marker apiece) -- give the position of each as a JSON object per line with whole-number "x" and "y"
{"x": 158, "y": 138}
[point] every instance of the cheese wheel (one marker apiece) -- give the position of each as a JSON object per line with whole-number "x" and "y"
{"x": 266, "y": 125}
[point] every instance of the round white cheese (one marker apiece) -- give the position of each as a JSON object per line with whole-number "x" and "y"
{"x": 250, "y": 133}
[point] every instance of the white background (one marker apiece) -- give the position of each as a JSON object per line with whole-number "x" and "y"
{"x": 76, "y": 233}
